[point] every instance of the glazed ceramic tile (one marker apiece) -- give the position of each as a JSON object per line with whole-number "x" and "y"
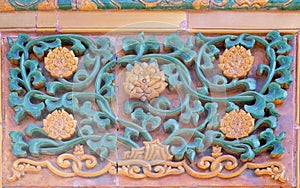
{"x": 142, "y": 109}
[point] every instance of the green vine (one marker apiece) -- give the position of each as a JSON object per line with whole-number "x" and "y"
{"x": 191, "y": 128}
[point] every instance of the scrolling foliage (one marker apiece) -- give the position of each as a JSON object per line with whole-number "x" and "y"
{"x": 34, "y": 93}
{"x": 189, "y": 68}
{"x": 197, "y": 115}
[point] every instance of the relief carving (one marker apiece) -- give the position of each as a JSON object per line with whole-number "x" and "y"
{"x": 173, "y": 118}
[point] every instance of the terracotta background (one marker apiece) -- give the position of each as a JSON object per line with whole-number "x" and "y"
{"x": 158, "y": 23}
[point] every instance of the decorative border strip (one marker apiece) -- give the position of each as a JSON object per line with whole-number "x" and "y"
{"x": 90, "y": 5}
{"x": 137, "y": 169}
{"x": 207, "y": 22}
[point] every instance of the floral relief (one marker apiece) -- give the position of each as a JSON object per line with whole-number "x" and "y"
{"x": 237, "y": 124}
{"x": 216, "y": 151}
{"x": 59, "y": 125}
{"x": 161, "y": 132}
{"x": 236, "y": 62}
{"x": 78, "y": 150}
{"x": 61, "y": 62}
{"x": 144, "y": 81}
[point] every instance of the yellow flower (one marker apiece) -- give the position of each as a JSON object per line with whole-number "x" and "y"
{"x": 144, "y": 81}
{"x": 78, "y": 150}
{"x": 216, "y": 151}
{"x": 237, "y": 124}
{"x": 61, "y": 62}
{"x": 59, "y": 125}
{"x": 236, "y": 62}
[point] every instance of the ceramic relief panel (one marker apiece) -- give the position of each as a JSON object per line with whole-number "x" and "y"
{"x": 191, "y": 109}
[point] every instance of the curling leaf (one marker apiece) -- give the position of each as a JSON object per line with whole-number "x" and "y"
{"x": 240, "y": 40}
{"x": 18, "y": 144}
{"x": 23, "y": 106}
{"x": 140, "y": 45}
{"x": 148, "y": 121}
{"x": 184, "y": 52}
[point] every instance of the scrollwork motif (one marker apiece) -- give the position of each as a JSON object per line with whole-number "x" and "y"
{"x": 154, "y": 169}
{"x": 231, "y": 168}
{"x": 64, "y": 161}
